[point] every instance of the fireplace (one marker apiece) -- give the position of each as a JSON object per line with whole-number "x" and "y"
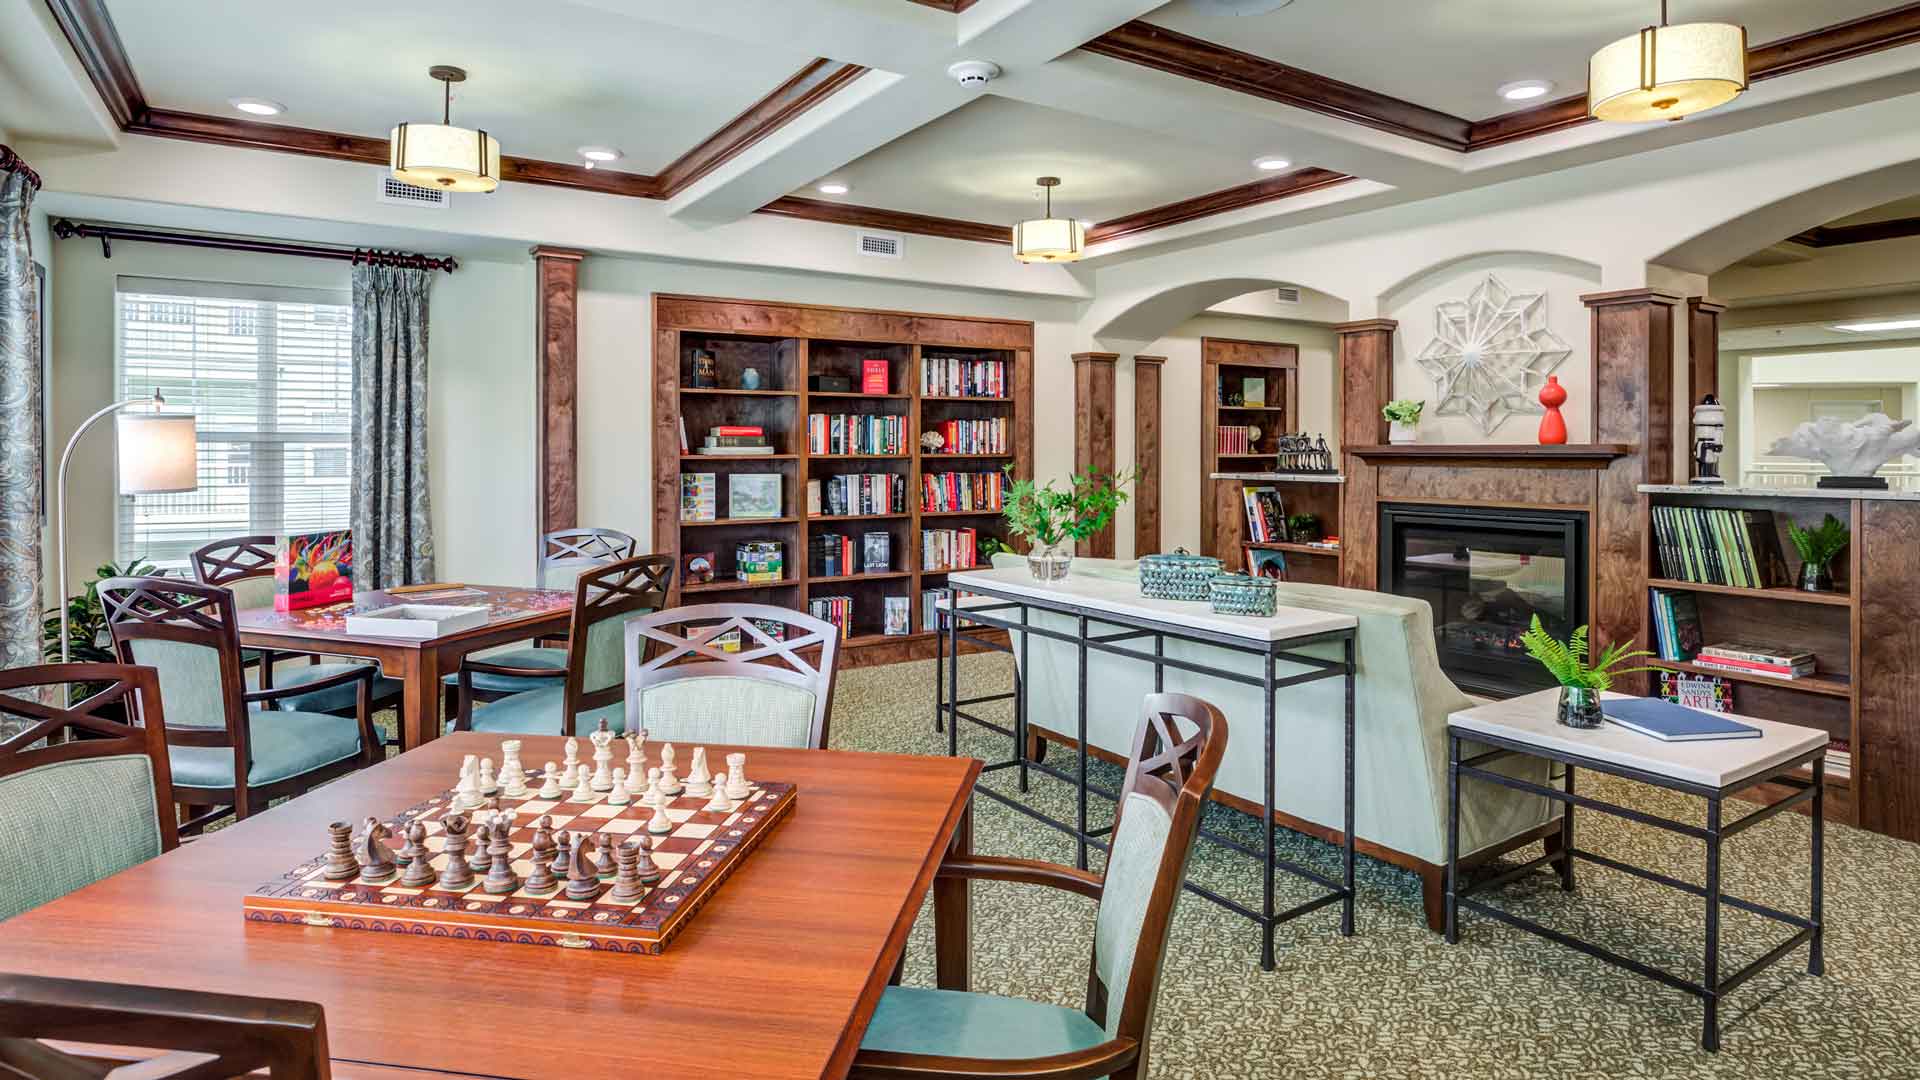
{"x": 1486, "y": 572}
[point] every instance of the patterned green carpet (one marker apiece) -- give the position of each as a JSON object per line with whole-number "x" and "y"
{"x": 1396, "y": 1001}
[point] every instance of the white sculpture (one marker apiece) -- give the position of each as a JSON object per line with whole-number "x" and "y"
{"x": 1855, "y": 449}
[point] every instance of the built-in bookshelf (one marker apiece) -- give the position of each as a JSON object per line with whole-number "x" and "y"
{"x": 791, "y": 347}
{"x": 1229, "y": 442}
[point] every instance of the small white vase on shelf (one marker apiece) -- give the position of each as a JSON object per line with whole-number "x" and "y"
{"x": 1400, "y": 433}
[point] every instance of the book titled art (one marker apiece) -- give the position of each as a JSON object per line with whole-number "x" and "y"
{"x": 313, "y": 570}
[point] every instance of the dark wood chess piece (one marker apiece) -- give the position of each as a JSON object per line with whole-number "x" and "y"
{"x": 477, "y": 859}
{"x": 419, "y": 873}
{"x": 644, "y": 867}
{"x": 500, "y": 876}
{"x": 540, "y": 880}
{"x": 376, "y": 858}
{"x": 626, "y": 883}
{"x": 562, "y": 853}
{"x": 607, "y": 865}
{"x": 583, "y": 880}
{"x": 455, "y": 875}
{"x": 341, "y": 865}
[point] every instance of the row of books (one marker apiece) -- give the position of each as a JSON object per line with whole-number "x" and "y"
{"x": 930, "y": 608}
{"x": 896, "y": 614}
{"x": 949, "y": 549}
{"x": 844, "y": 433}
{"x": 857, "y": 493}
{"x": 1713, "y": 546}
{"x": 960, "y": 376}
{"x": 1676, "y": 625}
{"x": 837, "y": 554}
{"x": 1771, "y": 661}
{"x": 972, "y": 436}
{"x": 1839, "y": 759}
{"x": 1266, "y": 515}
{"x": 947, "y": 492}
{"x": 1235, "y": 439}
{"x": 731, "y": 440}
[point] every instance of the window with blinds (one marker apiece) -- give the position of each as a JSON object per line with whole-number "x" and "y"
{"x": 268, "y": 374}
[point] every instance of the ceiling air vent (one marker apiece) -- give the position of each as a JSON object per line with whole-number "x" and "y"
{"x": 1287, "y": 294}
{"x": 879, "y": 245}
{"x": 401, "y": 193}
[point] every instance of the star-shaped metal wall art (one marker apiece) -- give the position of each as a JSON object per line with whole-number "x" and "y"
{"x": 1491, "y": 353}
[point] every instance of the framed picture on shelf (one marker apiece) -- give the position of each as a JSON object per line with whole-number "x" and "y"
{"x": 1265, "y": 562}
{"x": 696, "y": 568}
{"x": 753, "y": 495}
{"x": 899, "y": 618}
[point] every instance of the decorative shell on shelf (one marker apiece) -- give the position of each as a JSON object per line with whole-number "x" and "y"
{"x": 1856, "y": 448}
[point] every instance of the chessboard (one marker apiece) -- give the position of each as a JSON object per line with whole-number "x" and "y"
{"x": 703, "y": 848}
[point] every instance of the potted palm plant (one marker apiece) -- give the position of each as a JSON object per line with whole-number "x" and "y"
{"x": 1817, "y": 547}
{"x": 1581, "y": 682}
{"x": 1053, "y": 520}
{"x": 1403, "y": 420}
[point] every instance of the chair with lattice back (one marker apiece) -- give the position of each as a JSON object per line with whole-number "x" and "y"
{"x": 198, "y": 1035}
{"x": 224, "y": 750}
{"x": 739, "y": 674}
{"x": 84, "y": 787}
{"x": 244, "y": 565}
{"x": 588, "y": 687}
{"x": 922, "y": 1033}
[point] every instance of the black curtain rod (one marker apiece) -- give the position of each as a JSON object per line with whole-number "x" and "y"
{"x": 106, "y": 234}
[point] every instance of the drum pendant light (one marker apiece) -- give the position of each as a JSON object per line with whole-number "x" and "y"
{"x": 441, "y": 155}
{"x": 1667, "y": 72}
{"x": 1049, "y": 239}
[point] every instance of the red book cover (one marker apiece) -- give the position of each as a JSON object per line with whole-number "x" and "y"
{"x": 313, "y": 570}
{"x": 873, "y": 376}
{"x": 738, "y": 429}
{"x": 1750, "y": 665}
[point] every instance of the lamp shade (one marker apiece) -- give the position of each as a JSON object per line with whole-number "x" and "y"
{"x": 1667, "y": 72}
{"x": 159, "y": 453}
{"x": 1049, "y": 239}
{"x": 445, "y": 157}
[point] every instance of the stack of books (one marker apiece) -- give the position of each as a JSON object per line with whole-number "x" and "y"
{"x": 857, "y": 493}
{"x": 949, "y": 549}
{"x": 972, "y": 436}
{"x": 844, "y": 433}
{"x": 1712, "y": 546}
{"x": 1676, "y": 625}
{"x": 736, "y": 440}
{"x": 760, "y": 561}
{"x": 837, "y": 610}
{"x": 1772, "y": 661}
{"x": 1233, "y": 439}
{"x": 1839, "y": 759}
{"x": 959, "y": 376}
{"x": 1266, "y": 515}
{"x": 946, "y": 492}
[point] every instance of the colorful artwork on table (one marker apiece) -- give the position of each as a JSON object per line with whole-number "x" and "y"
{"x": 313, "y": 570}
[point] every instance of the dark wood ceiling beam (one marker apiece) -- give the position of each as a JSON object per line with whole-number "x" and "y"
{"x": 954, "y": 6}
{"x": 1866, "y": 232}
{"x": 102, "y": 56}
{"x": 1216, "y": 202}
{"x": 891, "y": 220}
{"x": 1166, "y": 50}
{"x": 808, "y": 87}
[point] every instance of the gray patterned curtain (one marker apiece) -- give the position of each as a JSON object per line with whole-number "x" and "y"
{"x": 392, "y": 527}
{"x": 21, "y": 436}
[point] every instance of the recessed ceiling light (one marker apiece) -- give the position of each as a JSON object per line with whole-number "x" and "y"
{"x": 1271, "y": 163}
{"x": 258, "y": 106}
{"x": 1876, "y": 327}
{"x": 601, "y": 153}
{"x": 833, "y": 187}
{"x": 1526, "y": 90}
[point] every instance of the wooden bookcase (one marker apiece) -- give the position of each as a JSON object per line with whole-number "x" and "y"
{"x": 787, "y": 343}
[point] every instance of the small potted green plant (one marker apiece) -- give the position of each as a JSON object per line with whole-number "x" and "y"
{"x": 1053, "y": 520}
{"x": 1403, "y": 419}
{"x": 87, "y": 639}
{"x": 1817, "y": 547}
{"x": 1581, "y": 683}
{"x": 1303, "y": 528}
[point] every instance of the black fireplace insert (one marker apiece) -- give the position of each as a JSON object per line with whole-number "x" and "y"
{"x": 1487, "y": 573}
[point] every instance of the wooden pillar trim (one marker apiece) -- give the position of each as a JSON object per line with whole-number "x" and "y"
{"x": 1366, "y": 384}
{"x": 1146, "y": 454}
{"x": 1093, "y": 375}
{"x": 1703, "y": 348}
{"x": 557, "y": 341}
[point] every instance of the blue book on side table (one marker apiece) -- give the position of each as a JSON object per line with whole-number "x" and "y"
{"x": 1668, "y": 722}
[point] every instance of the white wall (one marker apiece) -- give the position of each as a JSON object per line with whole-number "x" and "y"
{"x": 1866, "y": 370}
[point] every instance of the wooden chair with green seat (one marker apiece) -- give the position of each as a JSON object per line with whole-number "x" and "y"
{"x": 714, "y": 673}
{"x": 86, "y": 808}
{"x": 202, "y": 1035}
{"x": 922, "y": 1033}
{"x": 225, "y": 751}
{"x": 564, "y": 556}
{"x": 244, "y": 565}
{"x": 588, "y": 687}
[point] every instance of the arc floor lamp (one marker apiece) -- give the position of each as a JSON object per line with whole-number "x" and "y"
{"x": 159, "y": 454}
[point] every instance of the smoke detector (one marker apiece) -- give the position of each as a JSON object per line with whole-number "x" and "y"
{"x": 974, "y": 74}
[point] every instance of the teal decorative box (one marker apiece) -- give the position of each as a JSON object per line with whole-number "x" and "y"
{"x": 1241, "y": 594}
{"x": 1179, "y": 576}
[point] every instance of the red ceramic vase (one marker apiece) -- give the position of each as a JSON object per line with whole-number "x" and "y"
{"x": 1553, "y": 427}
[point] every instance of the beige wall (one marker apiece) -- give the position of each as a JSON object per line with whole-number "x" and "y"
{"x": 1778, "y": 410}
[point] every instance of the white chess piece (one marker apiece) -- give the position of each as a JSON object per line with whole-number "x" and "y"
{"x": 582, "y": 788}
{"x": 659, "y": 823}
{"x": 467, "y": 795}
{"x": 515, "y": 786}
{"x": 652, "y": 796}
{"x": 551, "y": 789}
{"x": 489, "y": 784}
{"x": 669, "y": 784}
{"x": 619, "y": 795}
{"x": 510, "y": 766}
{"x": 737, "y": 777}
{"x": 571, "y": 762}
{"x": 719, "y": 804}
{"x": 636, "y": 757}
{"x": 602, "y": 740}
{"x": 699, "y": 777}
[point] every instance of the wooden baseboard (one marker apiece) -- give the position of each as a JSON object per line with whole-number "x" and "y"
{"x": 872, "y": 653}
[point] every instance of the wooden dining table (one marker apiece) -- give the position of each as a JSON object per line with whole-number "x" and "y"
{"x": 513, "y": 614}
{"x": 775, "y": 977}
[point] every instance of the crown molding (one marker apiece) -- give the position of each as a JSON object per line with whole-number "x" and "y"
{"x": 953, "y": 6}
{"x": 1821, "y": 236}
{"x": 873, "y": 217}
{"x": 808, "y": 87}
{"x": 1216, "y": 202}
{"x": 90, "y": 31}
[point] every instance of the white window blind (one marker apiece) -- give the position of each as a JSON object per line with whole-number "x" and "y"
{"x": 268, "y": 374}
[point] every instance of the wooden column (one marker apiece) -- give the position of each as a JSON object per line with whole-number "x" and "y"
{"x": 1366, "y": 384}
{"x": 1703, "y": 349}
{"x": 1093, "y": 431}
{"x": 556, "y": 283}
{"x": 1632, "y": 404}
{"x": 1146, "y": 454}
{"x": 1886, "y": 631}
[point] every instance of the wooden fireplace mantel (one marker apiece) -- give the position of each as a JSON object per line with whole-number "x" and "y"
{"x": 1510, "y": 455}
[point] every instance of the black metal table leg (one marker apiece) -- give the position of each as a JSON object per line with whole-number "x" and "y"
{"x": 1566, "y": 838}
{"x": 1453, "y": 838}
{"x": 953, "y": 673}
{"x": 1346, "y": 854}
{"x": 1710, "y": 1029}
{"x": 1816, "y": 953}
{"x": 1080, "y": 732}
{"x": 1267, "y": 926}
{"x": 1021, "y": 735}
{"x": 939, "y": 666}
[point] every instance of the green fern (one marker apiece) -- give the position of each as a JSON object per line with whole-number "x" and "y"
{"x": 1820, "y": 544}
{"x": 1567, "y": 661}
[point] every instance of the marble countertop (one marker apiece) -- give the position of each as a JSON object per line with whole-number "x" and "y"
{"x": 1729, "y": 491}
{"x": 1122, "y": 597}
